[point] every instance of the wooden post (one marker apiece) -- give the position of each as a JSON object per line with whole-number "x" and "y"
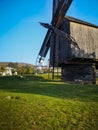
{"x": 54, "y": 41}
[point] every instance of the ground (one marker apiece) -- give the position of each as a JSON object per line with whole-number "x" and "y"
{"x": 36, "y": 103}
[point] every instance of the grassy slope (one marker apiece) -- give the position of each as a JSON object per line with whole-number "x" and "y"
{"x": 33, "y": 103}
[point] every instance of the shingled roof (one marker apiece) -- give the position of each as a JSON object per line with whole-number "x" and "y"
{"x": 80, "y": 21}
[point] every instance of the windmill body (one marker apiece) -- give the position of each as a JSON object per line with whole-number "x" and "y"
{"x": 76, "y": 52}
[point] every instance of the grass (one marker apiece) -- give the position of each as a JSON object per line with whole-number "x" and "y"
{"x": 35, "y": 103}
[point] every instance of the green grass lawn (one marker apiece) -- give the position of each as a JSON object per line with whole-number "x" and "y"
{"x": 35, "y": 103}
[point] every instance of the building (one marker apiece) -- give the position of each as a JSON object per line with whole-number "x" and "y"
{"x": 77, "y": 63}
{"x": 8, "y": 71}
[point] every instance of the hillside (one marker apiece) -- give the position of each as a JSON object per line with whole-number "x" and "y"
{"x": 19, "y": 64}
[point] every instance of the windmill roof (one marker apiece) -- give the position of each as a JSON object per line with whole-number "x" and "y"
{"x": 80, "y": 21}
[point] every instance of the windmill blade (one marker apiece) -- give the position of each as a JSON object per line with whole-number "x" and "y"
{"x": 56, "y": 21}
{"x": 57, "y": 4}
{"x": 60, "y": 12}
{"x": 46, "y": 44}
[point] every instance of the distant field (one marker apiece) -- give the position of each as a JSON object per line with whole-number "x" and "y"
{"x": 36, "y": 103}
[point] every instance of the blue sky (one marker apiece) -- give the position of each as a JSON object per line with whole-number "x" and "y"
{"x": 21, "y": 36}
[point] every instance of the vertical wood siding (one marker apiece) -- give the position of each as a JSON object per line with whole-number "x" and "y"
{"x": 87, "y": 39}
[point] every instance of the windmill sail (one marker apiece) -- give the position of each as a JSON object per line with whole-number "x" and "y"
{"x": 56, "y": 21}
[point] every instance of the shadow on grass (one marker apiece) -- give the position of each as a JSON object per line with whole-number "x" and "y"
{"x": 38, "y": 85}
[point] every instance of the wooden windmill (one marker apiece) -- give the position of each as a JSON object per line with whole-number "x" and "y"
{"x": 73, "y": 45}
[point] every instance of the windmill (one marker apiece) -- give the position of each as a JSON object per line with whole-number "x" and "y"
{"x": 60, "y": 8}
{"x": 70, "y": 42}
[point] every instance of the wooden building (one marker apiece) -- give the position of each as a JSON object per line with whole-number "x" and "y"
{"x": 77, "y": 63}
{"x": 73, "y": 45}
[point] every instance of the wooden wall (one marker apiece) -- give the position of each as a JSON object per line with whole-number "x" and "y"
{"x": 62, "y": 47}
{"x": 87, "y": 39}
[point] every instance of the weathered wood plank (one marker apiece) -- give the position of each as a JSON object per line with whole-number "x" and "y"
{"x": 87, "y": 39}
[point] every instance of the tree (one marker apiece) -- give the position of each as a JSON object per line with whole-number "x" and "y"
{"x": 13, "y": 65}
{"x": 21, "y": 70}
{"x": 3, "y": 69}
{"x": 29, "y": 70}
{"x": 26, "y": 70}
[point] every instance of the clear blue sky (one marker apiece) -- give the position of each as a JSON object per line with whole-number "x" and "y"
{"x": 21, "y": 36}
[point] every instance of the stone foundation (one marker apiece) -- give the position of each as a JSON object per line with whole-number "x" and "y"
{"x": 79, "y": 73}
